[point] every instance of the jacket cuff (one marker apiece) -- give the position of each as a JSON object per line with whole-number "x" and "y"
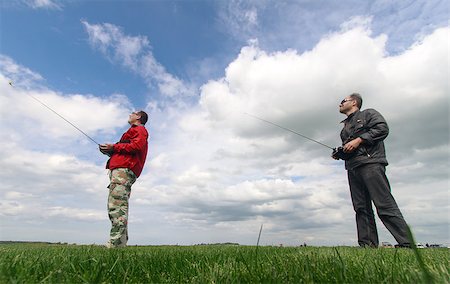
{"x": 367, "y": 139}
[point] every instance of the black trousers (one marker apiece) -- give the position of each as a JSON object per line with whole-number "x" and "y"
{"x": 368, "y": 183}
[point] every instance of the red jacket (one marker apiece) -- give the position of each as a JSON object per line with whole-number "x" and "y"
{"x": 131, "y": 151}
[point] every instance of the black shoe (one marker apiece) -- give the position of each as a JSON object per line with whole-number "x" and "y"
{"x": 406, "y": 245}
{"x": 366, "y": 246}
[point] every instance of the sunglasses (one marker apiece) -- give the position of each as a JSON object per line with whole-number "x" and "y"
{"x": 345, "y": 100}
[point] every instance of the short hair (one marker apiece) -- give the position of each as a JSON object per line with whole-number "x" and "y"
{"x": 143, "y": 116}
{"x": 357, "y": 97}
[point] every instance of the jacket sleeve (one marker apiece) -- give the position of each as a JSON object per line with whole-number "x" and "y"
{"x": 376, "y": 128}
{"x": 138, "y": 140}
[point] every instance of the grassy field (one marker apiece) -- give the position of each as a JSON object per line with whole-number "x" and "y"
{"x": 40, "y": 263}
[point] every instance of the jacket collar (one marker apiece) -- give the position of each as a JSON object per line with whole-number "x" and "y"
{"x": 350, "y": 116}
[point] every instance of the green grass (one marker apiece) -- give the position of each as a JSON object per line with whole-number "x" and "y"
{"x": 28, "y": 263}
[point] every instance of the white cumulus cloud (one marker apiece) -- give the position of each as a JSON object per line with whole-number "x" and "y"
{"x": 135, "y": 53}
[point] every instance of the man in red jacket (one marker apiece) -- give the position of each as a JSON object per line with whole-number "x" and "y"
{"x": 127, "y": 159}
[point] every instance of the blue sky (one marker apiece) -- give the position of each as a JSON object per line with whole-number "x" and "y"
{"x": 182, "y": 33}
{"x": 178, "y": 36}
{"x": 213, "y": 174}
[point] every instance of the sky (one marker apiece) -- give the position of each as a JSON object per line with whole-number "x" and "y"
{"x": 214, "y": 174}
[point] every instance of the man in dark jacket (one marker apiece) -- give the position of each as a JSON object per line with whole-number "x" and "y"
{"x": 127, "y": 159}
{"x": 365, "y": 162}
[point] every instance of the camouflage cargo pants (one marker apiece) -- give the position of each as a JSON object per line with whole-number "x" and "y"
{"x": 121, "y": 180}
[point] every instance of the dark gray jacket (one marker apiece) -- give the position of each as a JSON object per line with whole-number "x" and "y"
{"x": 370, "y": 126}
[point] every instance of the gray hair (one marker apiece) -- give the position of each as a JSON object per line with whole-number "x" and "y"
{"x": 357, "y": 97}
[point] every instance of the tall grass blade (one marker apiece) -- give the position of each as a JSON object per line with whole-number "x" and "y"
{"x": 427, "y": 277}
{"x": 259, "y": 236}
{"x": 342, "y": 264}
{"x": 257, "y": 244}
